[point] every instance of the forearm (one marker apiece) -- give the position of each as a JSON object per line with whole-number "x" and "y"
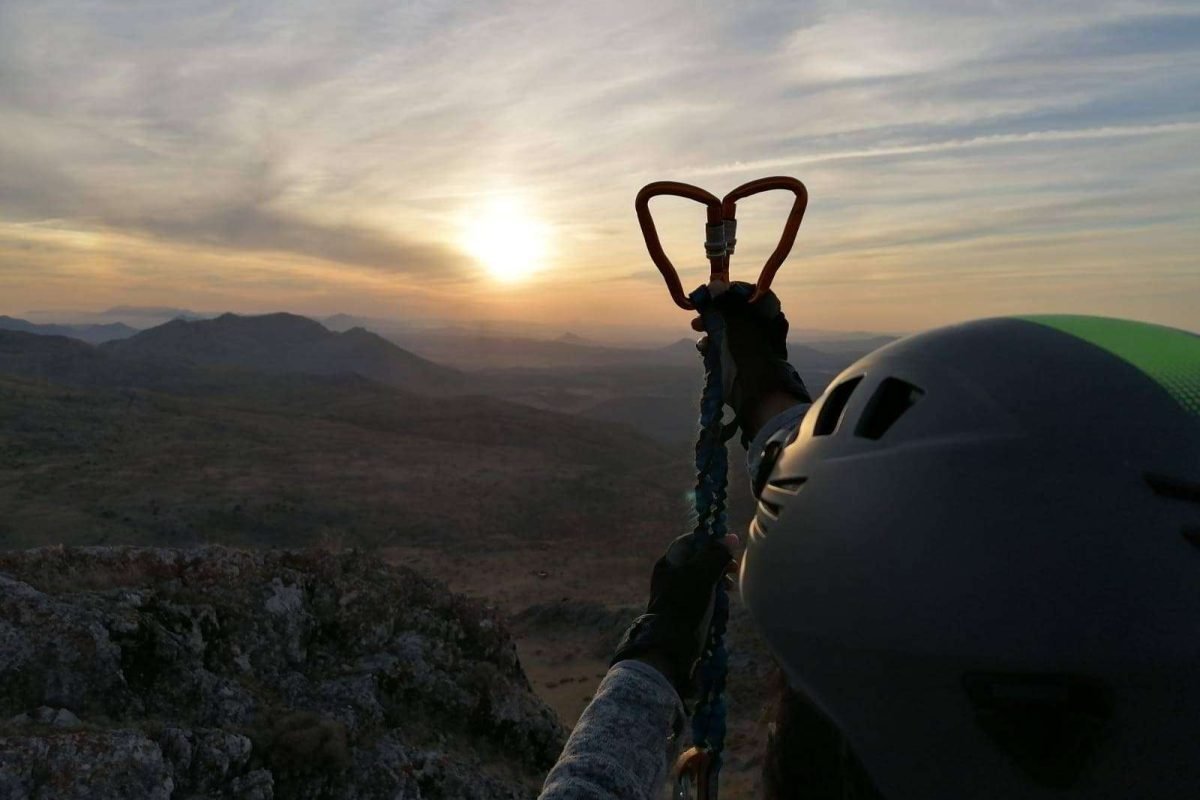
{"x": 625, "y": 741}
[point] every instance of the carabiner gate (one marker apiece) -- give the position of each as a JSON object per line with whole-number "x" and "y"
{"x": 692, "y": 770}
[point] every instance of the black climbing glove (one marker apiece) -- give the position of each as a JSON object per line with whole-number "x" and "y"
{"x": 754, "y": 356}
{"x": 672, "y": 632}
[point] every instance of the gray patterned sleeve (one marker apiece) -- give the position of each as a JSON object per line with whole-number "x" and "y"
{"x": 625, "y": 741}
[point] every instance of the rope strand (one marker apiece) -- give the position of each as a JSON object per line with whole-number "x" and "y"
{"x": 712, "y": 468}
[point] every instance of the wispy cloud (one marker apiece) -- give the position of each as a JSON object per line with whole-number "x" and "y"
{"x": 331, "y": 154}
{"x": 994, "y": 140}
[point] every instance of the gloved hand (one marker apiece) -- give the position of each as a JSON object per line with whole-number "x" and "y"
{"x": 670, "y": 636}
{"x": 754, "y": 365}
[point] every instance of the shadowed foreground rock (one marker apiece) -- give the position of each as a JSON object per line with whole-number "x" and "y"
{"x": 215, "y": 673}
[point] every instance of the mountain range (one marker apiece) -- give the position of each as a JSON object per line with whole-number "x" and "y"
{"x": 279, "y": 343}
{"x": 651, "y": 389}
{"x": 91, "y": 333}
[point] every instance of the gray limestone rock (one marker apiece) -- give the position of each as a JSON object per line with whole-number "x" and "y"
{"x": 218, "y": 673}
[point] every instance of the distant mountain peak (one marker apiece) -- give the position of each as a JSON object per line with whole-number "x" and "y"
{"x": 336, "y": 322}
{"x": 684, "y": 344}
{"x": 270, "y": 315}
{"x": 571, "y": 338}
{"x": 276, "y": 323}
{"x": 283, "y": 342}
{"x": 92, "y": 334}
{"x": 151, "y": 311}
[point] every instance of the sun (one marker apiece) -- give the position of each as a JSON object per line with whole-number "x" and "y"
{"x": 508, "y": 240}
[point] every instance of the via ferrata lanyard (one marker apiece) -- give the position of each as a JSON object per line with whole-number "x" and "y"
{"x": 700, "y": 766}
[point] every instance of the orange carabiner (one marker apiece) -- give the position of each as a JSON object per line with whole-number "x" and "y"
{"x": 720, "y": 230}
{"x": 654, "y": 246}
{"x": 693, "y": 773}
{"x": 790, "y": 228}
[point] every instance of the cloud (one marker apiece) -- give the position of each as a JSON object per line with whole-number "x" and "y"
{"x": 239, "y": 208}
{"x": 993, "y": 140}
{"x": 361, "y": 134}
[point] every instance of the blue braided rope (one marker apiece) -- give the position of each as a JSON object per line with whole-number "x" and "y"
{"x": 712, "y": 472}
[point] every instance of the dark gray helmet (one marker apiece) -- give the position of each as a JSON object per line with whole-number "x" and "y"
{"x": 979, "y": 557}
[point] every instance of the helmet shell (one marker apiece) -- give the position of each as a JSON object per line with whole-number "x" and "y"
{"x": 975, "y": 501}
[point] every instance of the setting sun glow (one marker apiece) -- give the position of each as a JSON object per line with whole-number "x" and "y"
{"x": 508, "y": 240}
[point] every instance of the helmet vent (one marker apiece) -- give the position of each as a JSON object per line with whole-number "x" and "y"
{"x": 757, "y": 529}
{"x": 760, "y": 524}
{"x": 771, "y": 509}
{"x": 891, "y": 399}
{"x": 1174, "y": 488}
{"x": 1192, "y": 535}
{"x": 789, "y": 485}
{"x": 1047, "y": 724}
{"x": 835, "y": 403}
{"x": 768, "y": 511}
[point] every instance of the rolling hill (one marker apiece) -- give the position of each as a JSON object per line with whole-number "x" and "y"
{"x": 70, "y": 362}
{"x": 307, "y": 460}
{"x": 279, "y": 343}
{"x": 267, "y": 430}
{"x": 651, "y": 389}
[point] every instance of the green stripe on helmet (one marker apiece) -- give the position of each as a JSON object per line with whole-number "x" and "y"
{"x": 1169, "y": 356}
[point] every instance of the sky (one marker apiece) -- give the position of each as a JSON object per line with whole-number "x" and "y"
{"x": 463, "y": 162}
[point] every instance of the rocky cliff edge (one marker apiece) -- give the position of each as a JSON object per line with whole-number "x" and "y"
{"x": 218, "y": 673}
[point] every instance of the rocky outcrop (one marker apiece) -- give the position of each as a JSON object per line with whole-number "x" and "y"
{"x": 216, "y": 673}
